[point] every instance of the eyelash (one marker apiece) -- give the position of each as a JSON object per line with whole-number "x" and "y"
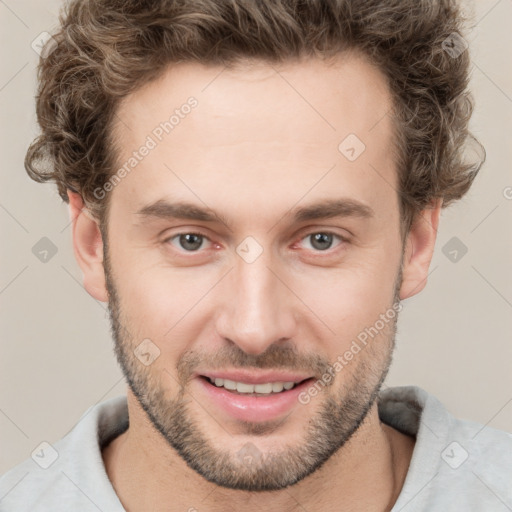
{"x": 203, "y": 236}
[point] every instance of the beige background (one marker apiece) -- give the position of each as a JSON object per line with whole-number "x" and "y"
{"x": 56, "y": 357}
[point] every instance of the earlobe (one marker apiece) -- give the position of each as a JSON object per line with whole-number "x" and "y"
{"x": 419, "y": 249}
{"x": 88, "y": 247}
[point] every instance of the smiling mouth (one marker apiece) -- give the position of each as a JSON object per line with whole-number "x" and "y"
{"x": 246, "y": 389}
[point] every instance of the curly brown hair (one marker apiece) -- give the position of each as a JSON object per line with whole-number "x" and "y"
{"x": 106, "y": 49}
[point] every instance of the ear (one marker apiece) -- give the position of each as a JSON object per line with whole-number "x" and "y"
{"x": 419, "y": 248}
{"x": 88, "y": 247}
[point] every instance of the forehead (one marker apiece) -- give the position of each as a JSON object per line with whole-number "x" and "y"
{"x": 257, "y": 126}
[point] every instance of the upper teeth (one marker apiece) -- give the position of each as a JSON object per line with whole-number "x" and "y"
{"x": 242, "y": 387}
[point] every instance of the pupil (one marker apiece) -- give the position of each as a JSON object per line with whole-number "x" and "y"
{"x": 322, "y": 238}
{"x": 187, "y": 241}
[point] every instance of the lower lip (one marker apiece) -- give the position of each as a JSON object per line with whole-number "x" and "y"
{"x": 253, "y": 408}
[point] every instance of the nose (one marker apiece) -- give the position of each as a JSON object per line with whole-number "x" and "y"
{"x": 257, "y": 306}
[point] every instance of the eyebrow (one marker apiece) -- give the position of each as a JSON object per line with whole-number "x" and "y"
{"x": 325, "y": 209}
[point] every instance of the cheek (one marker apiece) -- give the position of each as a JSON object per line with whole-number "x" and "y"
{"x": 349, "y": 300}
{"x": 162, "y": 303}
{"x": 358, "y": 309}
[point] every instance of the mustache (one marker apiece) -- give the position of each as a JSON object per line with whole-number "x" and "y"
{"x": 276, "y": 357}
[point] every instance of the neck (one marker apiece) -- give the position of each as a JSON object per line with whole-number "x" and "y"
{"x": 147, "y": 474}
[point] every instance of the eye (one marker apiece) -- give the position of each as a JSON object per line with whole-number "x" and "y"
{"x": 322, "y": 240}
{"x": 189, "y": 242}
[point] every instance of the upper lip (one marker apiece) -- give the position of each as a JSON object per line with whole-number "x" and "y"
{"x": 260, "y": 377}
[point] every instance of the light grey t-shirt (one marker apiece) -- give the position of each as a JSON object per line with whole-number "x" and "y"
{"x": 457, "y": 465}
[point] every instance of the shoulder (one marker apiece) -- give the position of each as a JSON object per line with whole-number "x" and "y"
{"x": 457, "y": 464}
{"x": 481, "y": 458}
{"x": 474, "y": 470}
{"x": 68, "y": 474}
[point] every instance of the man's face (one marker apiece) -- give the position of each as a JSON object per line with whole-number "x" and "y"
{"x": 257, "y": 287}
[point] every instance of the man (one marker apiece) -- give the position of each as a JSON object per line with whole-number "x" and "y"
{"x": 254, "y": 187}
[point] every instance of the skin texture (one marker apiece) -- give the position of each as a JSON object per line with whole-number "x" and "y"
{"x": 262, "y": 141}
